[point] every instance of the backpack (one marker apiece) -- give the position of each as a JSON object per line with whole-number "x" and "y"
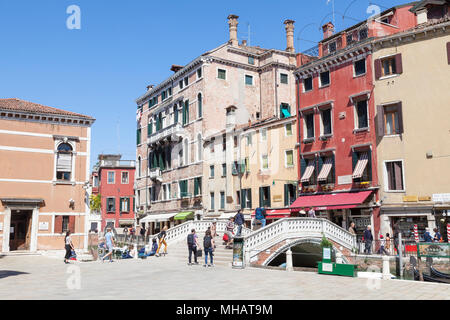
{"x": 207, "y": 242}
{"x": 190, "y": 239}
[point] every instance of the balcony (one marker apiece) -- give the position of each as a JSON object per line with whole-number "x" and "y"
{"x": 118, "y": 163}
{"x": 156, "y": 174}
{"x": 172, "y": 132}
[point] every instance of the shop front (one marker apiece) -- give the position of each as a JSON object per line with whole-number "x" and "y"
{"x": 441, "y": 214}
{"x": 156, "y": 222}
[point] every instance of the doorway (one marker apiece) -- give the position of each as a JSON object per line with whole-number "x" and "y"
{"x": 20, "y": 230}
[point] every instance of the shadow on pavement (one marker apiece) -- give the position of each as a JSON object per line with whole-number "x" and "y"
{"x": 8, "y": 273}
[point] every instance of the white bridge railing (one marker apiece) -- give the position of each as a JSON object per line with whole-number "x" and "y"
{"x": 296, "y": 228}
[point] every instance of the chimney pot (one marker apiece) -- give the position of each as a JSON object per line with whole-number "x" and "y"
{"x": 244, "y": 43}
{"x": 328, "y": 30}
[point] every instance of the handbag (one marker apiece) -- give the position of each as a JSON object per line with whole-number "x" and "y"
{"x": 199, "y": 253}
{"x": 73, "y": 255}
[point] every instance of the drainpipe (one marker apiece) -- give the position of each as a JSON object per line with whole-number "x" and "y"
{"x": 276, "y": 89}
{"x": 297, "y": 89}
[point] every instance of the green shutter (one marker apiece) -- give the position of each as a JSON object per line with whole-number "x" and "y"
{"x": 243, "y": 199}
{"x": 128, "y": 204}
{"x": 303, "y": 165}
{"x": 333, "y": 169}
{"x": 161, "y": 160}
{"x": 149, "y": 129}
{"x": 120, "y": 203}
{"x": 196, "y": 186}
{"x": 369, "y": 164}
{"x": 286, "y": 195}
{"x": 138, "y": 136}
{"x": 261, "y": 204}
{"x": 320, "y": 164}
{"x": 200, "y": 106}
{"x": 249, "y": 193}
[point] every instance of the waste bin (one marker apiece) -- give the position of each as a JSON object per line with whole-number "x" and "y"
{"x": 238, "y": 253}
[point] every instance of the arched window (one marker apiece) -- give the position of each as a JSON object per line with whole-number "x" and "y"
{"x": 200, "y": 105}
{"x": 186, "y": 151}
{"x": 199, "y": 148}
{"x": 64, "y": 162}
{"x": 139, "y": 166}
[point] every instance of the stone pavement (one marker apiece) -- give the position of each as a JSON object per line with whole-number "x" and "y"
{"x": 39, "y": 277}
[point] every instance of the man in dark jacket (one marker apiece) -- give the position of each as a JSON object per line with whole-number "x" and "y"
{"x": 368, "y": 238}
{"x": 239, "y": 220}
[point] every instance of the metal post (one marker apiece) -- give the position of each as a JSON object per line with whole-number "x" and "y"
{"x": 400, "y": 253}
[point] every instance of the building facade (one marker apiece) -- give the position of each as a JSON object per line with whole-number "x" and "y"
{"x": 45, "y": 155}
{"x": 113, "y": 180}
{"x": 412, "y": 97}
{"x": 177, "y": 117}
{"x": 337, "y": 133}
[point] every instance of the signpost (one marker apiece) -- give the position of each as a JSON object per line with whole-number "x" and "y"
{"x": 238, "y": 253}
{"x": 433, "y": 250}
{"x": 326, "y": 266}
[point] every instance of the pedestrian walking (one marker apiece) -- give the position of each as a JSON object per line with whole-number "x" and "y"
{"x": 214, "y": 228}
{"x": 352, "y": 228}
{"x": 162, "y": 241}
{"x": 388, "y": 243}
{"x": 229, "y": 232}
{"x": 437, "y": 235}
{"x": 68, "y": 246}
{"x": 208, "y": 246}
{"x": 193, "y": 246}
{"x": 125, "y": 232}
{"x": 368, "y": 239}
{"x": 239, "y": 220}
{"x": 109, "y": 239}
{"x": 312, "y": 213}
{"x": 427, "y": 236}
{"x": 382, "y": 245}
{"x": 260, "y": 214}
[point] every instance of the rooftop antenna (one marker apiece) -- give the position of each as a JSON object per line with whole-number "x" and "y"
{"x": 118, "y": 135}
{"x": 334, "y": 17}
{"x": 248, "y": 40}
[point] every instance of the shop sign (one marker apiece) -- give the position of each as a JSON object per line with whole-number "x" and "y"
{"x": 43, "y": 226}
{"x": 345, "y": 179}
{"x": 277, "y": 198}
{"x": 410, "y": 199}
{"x": 327, "y": 254}
{"x": 425, "y": 198}
{"x": 441, "y": 197}
{"x": 327, "y": 267}
{"x": 361, "y": 223}
{"x": 434, "y": 250}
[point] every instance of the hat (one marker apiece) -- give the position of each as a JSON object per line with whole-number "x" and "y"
{"x": 381, "y": 236}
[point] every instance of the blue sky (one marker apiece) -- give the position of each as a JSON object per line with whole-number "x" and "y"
{"x": 125, "y": 45}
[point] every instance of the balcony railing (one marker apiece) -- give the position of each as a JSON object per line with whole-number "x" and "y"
{"x": 118, "y": 163}
{"x": 173, "y": 132}
{"x": 156, "y": 174}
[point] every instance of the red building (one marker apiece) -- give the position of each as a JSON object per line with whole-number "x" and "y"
{"x": 336, "y": 119}
{"x": 113, "y": 179}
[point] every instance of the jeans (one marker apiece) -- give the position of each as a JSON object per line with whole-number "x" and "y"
{"x": 210, "y": 251}
{"x": 239, "y": 230}
{"x": 192, "y": 249}
{"x": 263, "y": 221}
{"x": 368, "y": 246}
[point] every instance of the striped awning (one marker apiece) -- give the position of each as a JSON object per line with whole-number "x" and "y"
{"x": 361, "y": 165}
{"x": 309, "y": 171}
{"x": 326, "y": 169}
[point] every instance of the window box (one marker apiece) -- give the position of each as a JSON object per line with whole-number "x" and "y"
{"x": 361, "y": 130}
{"x": 325, "y": 137}
{"x": 327, "y": 187}
{"x": 309, "y": 189}
{"x": 309, "y": 140}
{"x": 363, "y": 184}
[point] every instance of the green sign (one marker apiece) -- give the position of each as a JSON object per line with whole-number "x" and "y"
{"x": 434, "y": 250}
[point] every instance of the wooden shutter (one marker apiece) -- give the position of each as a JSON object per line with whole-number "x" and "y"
{"x": 286, "y": 195}
{"x": 400, "y": 118}
{"x": 398, "y": 63}
{"x": 58, "y": 224}
{"x": 448, "y": 52}
{"x": 377, "y": 69}
{"x": 72, "y": 224}
{"x": 380, "y": 121}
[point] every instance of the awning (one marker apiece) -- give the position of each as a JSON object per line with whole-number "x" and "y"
{"x": 276, "y": 214}
{"x": 126, "y": 222}
{"x": 184, "y": 215}
{"x": 326, "y": 169}
{"x": 227, "y": 215}
{"x": 361, "y": 165}
{"x": 286, "y": 113}
{"x": 157, "y": 217}
{"x": 309, "y": 171}
{"x": 345, "y": 200}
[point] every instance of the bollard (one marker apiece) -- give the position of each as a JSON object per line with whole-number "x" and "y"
{"x": 386, "y": 268}
{"x": 135, "y": 251}
{"x": 289, "y": 264}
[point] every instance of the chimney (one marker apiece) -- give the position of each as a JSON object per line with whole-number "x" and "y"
{"x": 244, "y": 43}
{"x": 150, "y": 87}
{"x": 290, "y": 35}
{"x": 175, "y": 68}
{"x": 233, "y": 23}
{"x": 328, "y": 30}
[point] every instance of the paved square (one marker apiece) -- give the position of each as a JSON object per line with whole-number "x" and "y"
{"x": 39, "y": 277}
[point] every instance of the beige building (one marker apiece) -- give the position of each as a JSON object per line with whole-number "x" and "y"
{"x": 177, "y": 118}
{"x": 412, "y": 79}
{"x": 44, "y": 171}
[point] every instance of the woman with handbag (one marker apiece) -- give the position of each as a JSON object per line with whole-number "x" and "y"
{"x": 68, "y": 246}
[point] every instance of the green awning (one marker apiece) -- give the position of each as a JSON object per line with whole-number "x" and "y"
{"x": 286, "y": 113}
{"x": 184, "y": 215}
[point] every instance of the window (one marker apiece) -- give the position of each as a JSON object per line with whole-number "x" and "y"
{"x": 309, "y": 125}
{"x": 181, "y": 84}
{"x": 175, "y": 114}
{"x": 246, "y": 199}
{"x": 388, "y": 66}
{"x": 153, "y": 197}
{"x": 200, "y": 105}
{"x": 249, "y": 139}
{"x": 65, "y": 223}
{"x": 264, "y": 197}
{"x": 332, "y": 47}
{"x": 212, "y": 201}
{"x": 64, "y": 162}
{"x": 324, "y": 79}
{"x": 139, "y": 167}
{"x": 186, "y": 81}
{"x": 163, "y": 96}
{"x": 95, "y": 181}
{"x": 235, "y": 139}
{"x": 285, "y": 111}
{"x": 363, "y": 34}
{"x": 289, "y": 194}
{"x": 251, "y": 60}
{"x": 111, "y": 177}
{"x": 183, "y": 188}
{"x": 289, "y": 158}
{"x": 110, "y": 205}
{"x": 150, "y": 128}
{"x": 362, "y": 120}
{"x": 248, "y": 80}
{"x": 284, "y": 78}
{"x": 264, "y": 162}
{"x": 221, "y": 74}
{"x": 394, "y": 173}
{"x": 308, "y": 171}
{"x": 199, "y": 73}
{"x": 224, "y": 170}
{"x": 326, "y": 121}
{"x": 211, "y": 171}
{"x": 308, "y": 84}
{"x": 124, "y": 204}
{"x": 125, "y": 178}
{"x": 224, "y": 142}
{"x": 222, "y": 200}
{"x": 360, "y": 67}
{"x": 186, "y": 151}
{"x": 362, "y": 166}
{"x": 263, "y": 134}
{"x": 138, "y": 136}
{"x": 181, "y": 158}
{"x": 197, "y": 186}
{"x": 247, "y": 164}
{"x": 186, "y": 113}
{"x": 326, "y": 170}
{"x": 288, "y": 129}
{"x": 169, "y": 92}
{"x": 390, "y": 119}
{"x": 235, "y": 168}
{"x": 199, "y": 147}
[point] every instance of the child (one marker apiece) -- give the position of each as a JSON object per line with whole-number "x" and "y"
{"x": 383, "y": 243}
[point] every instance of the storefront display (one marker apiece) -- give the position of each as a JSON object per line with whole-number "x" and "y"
{"x": 406, "y": 226}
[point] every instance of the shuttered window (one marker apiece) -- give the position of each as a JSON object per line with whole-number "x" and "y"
{"x": 64, "y": 162}
{"x": 388, "y": 66}
{"x": 390, "y": 119}
{"x": 394, "y": 172}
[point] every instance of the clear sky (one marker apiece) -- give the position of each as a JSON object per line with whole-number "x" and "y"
{"x": 123, "y": 46}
